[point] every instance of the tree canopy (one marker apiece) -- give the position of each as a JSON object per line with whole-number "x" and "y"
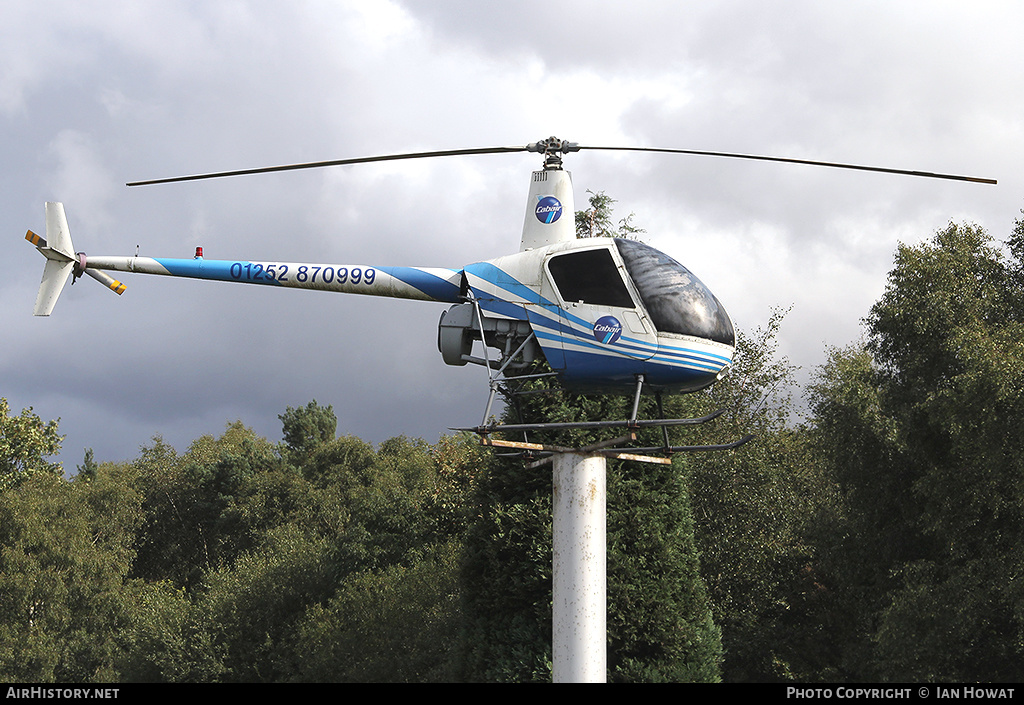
{"x": 25, "y": 444}
{"x": 921, "y": 426}
{"x": 875, "y": 534}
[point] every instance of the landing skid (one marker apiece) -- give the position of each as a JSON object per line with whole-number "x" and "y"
{"x": 606, "y": 448}
{"x": 634, "y": 424}
{"x": 546, "y": 452}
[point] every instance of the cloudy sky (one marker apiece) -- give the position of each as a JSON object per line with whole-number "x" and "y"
{"x": 96, "y": 94}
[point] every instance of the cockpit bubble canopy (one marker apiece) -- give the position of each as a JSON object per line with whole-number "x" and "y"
{"x": 677, "y": 301}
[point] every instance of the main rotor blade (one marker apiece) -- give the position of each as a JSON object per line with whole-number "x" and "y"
{"x": 837, "y": 165}
{"x": 334, "y": 162}
{"x": 552, "y": 146}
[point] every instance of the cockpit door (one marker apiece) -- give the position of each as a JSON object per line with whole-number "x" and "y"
{"x": 600, "y": 314}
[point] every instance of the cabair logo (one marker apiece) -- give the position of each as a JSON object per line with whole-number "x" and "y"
{"x": 607, "y": 329}
{"x": 548, "y": 210}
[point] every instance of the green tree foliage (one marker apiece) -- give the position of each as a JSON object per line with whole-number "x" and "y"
{"x": 262, "y": 554}
{"x": 660, "y": 621}
{"x": 506, "y": 579}
{"x": 659, "y": 616}
{"x": 25, "y": 443}
{"x": 255, "y": 603}
{"x": 169, "y": 640}
{"x": 88, "y": 469}
{"x": 597, "y": 220}
{"x": 869, "y": 532}
{"x": 922, "y": 426}
{"x": 307, "y": 428}
{"x": 191, "y": 523}
{"x": 236, "y": 560}
{"x": 65, "y": 551}
{"x": 397, "y": 624}
{"x": 753, "y": 510}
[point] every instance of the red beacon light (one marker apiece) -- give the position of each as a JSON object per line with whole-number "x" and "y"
{"x": 199, "y": 253}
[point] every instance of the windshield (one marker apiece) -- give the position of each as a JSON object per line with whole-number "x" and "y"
{"x": 676, "y": 300}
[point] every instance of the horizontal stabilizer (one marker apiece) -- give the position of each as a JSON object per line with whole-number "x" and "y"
{"x": 60, "y": 258}
{"x": 55, "y": 276}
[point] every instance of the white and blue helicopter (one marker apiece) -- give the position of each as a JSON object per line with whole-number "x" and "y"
{"x": 607, "y": 315}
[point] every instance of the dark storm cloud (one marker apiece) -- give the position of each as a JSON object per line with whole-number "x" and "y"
{"x": 94, "y": 95}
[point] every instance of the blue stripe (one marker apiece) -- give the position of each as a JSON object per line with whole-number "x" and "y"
{"x": 580, "y": 330}
{"x": 594, "y": 372}
{"x": 503, "y": 280}
{"x": 437, "y": 288}
{"x": 217, "y": 270}
{"x": 432, "y": 285}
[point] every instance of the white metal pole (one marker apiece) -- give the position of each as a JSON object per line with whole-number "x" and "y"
{"x": 579, "y": 609}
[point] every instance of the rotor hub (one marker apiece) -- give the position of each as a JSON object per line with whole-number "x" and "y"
{"x": 553, "y": 148}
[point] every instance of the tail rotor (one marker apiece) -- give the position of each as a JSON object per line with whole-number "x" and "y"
{"x": 61, "y": 261}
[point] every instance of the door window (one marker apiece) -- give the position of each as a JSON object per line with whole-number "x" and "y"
{"x": 591, "y": 277}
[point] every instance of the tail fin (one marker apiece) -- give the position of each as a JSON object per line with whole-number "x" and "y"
{"x": 60, "y": 258}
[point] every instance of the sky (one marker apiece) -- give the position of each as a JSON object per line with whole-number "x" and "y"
{"x": 96, "y": 94}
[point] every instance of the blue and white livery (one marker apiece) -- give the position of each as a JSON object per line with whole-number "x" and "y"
{"x": 602, "y": 312}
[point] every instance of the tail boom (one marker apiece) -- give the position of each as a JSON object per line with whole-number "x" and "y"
{"x": 420, "y": 283}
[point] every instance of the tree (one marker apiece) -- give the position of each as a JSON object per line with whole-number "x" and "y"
{"x": 855, "y": 442}
{"x": 306, "y": 429}
{"x": 753, "y": 510}
{"x": 170, "y": 639}
{"x": 252, "y": 606}
{"x": 299, "y": 561}
{"x": 25, "y": 443}
{"x": 596, "y": 221}
{"x": 88, "y": 469}
{"x": 661, "y": 626}
{"x": 659, "y": 619}
{"x": 65, "y": 551}
{"x": 922, "y": 427}
{"x": 399, "y": 624}
{"x": 506, "y": 577}
{"x": 189, "y": 524}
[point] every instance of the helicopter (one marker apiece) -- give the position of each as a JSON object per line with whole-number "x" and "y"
{"x": 606, "y": 315}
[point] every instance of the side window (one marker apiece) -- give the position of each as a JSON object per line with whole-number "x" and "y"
{"x": 589, "y": 276}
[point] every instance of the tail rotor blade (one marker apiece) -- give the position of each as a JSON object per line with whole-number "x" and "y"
{"x": 106, "y": 280}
